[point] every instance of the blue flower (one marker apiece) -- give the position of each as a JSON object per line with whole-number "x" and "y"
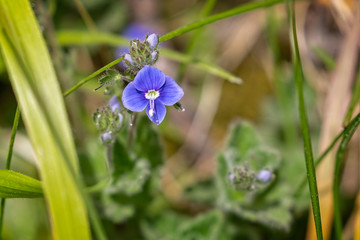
{"x": 152, "y": 90}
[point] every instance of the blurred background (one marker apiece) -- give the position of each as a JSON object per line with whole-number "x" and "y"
{"x": 255, "y": 47}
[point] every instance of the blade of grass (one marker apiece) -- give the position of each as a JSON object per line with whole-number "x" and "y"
{"x": 17, "y": 185}
{"x": 219, "y": 16}
{"x": 354, "y": 100}
{"x": 349, "y": 131}
{"x": 319, "y": 160}
{"x": 8, "y": 161}
{"x": 325, "y": 57}
{"x": 43, "y": 110}
{"x": 310, "y": 168}
{"x": 67, "y": 38}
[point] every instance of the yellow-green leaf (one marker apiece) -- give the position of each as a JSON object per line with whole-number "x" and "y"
{"x": 17, "y": 185}
{"x": 42, "y": 106}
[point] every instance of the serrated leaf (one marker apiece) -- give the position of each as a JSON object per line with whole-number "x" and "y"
{"x": 245, "y": 148}
{"x": 146, "y": 143}
{"x": 116, "y": 212}
{"x": 131, "y": 182}
{"x": 121, "y": 159}
{"x": 243, "y": 137}
{"x": 207, "y": 226}
{"x": 172, "y": 226}
{"x": 262, "y": 158}
{"x": 17, "y": 185}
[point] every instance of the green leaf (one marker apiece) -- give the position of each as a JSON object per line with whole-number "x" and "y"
{"x": 207, "y": 226}
{"x": 121, "y": 159}
{"x": 42, "y": 107}
{"x": 172, "y": 226}
{"x": 17, "y": 185}
{"x": 116, "y": 212}
{"x": 131, "y": 182}
{"x": 243, "y": 137}
{"x": 258, "y": 205}
{"x": 146, "y": 143}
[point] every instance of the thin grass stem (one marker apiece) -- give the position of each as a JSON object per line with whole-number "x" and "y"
{"x": 8, "y": 162}
{"x": 219, "y": 16}
{"x": 309, "y": 160}
{"x": 349, "y": 131}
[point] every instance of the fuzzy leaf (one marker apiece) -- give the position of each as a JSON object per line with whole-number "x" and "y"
{"x": 245, "y": 148}
{"x": 146, "y": 143}
{"x": 207, "y": 226}
{"x": 131, "y": 182}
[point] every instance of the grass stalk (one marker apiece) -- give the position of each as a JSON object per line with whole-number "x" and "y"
{"x": 8, "y": 162}
{"x": 309, "y": 160}
{"x": 349, "y": 131}
{"x": 219, "y": 16}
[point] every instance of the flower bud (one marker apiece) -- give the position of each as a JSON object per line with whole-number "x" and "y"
{"x": 153, "y": 40}
{"x": 128, "y": 58}
{"x": 231, "y": 177}
{"x": 106, "y": 137}
{"x": 114, "y": 104}
{"x": 264, "y": 176}
{"x": 153, "y": 56}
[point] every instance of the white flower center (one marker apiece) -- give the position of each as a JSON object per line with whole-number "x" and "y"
{"x": 152, "y": 94}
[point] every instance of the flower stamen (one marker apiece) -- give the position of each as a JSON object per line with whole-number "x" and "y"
{"x": 152, "y": 94}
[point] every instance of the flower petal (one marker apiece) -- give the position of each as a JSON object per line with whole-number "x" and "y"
{"x": 160, "y": 112}
{"x": 171, "y": 92}
{"x": 133, "y": 99}
{"x": 149, "y": 78}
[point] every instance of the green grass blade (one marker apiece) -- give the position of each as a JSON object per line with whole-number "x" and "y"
{"x": 8, "y": 161}
{"x": 309, "y": 159}
{"x": 349, "y": 131}
{"x": 354, "y": 100}
{"x": 325, "y": 57}
{"x": 43, "y": 110}
{"x": 17, "y": 185}
{"x": 319, "y": 160}
{"x": 82, "y": 38}
{"x": 219, "y": 16}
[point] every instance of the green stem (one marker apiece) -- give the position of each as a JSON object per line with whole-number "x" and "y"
{"x": 87, "y": 38}
{"x": 311, "y": 174}
{"x": 8, "y": 162}
{"x": 319, "y": 160}
{"x": 354, "y": 100}
{"x": 85, "y": 80}
{"x": 349, "y": 131}
{"x": 219, "y": 16}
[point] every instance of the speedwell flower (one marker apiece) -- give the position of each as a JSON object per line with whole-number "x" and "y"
{"x": 152, "y": 90}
